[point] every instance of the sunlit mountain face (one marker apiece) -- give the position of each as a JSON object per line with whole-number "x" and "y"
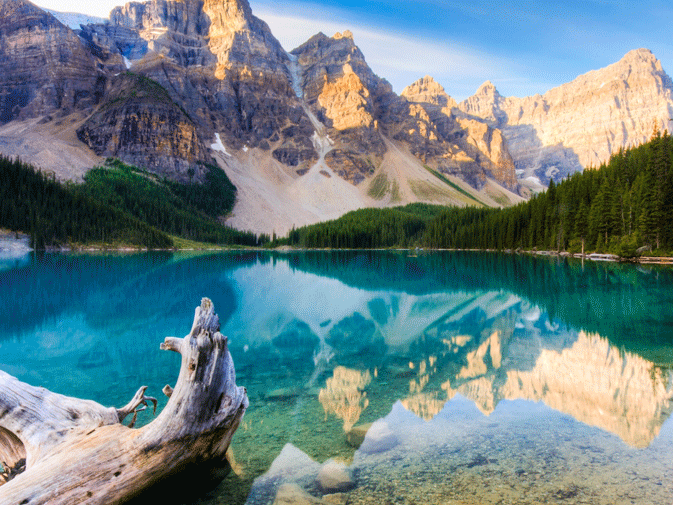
{"x": 423, "y": 376}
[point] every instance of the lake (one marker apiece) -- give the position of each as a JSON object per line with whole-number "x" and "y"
{"x": 380, "y": 377}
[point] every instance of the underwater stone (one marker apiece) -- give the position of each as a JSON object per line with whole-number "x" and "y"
{"x": 380, "y": 438}
{"x": 334, "y": 477}
{"x": 292, "y": 494}
{"x": 356, "y": 435}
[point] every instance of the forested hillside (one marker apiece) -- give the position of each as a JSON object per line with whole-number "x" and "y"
{"x": 190, "y": 210}
{"x": 619, "y": 207}
{"x": 117, "y": 205}
{"x": 35, "y": 203}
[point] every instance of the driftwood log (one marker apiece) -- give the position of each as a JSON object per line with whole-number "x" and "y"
{"x": 78, "y": 451}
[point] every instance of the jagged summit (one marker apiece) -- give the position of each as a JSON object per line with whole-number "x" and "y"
{"x": 580, "y": 123}
{"x": 347, "y": 34}
{"x": 427, "y": 90}
{"x": 487, "y": 88}
{"x": 642, "y": 54}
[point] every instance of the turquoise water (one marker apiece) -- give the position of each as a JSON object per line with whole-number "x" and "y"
{"x": 414, "y": 378}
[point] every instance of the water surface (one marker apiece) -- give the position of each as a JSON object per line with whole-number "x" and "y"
{"x": 427, "y": 378}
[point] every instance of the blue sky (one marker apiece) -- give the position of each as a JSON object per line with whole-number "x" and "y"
{"x": 523, "y": 46}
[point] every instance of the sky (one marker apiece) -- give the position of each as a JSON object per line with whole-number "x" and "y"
{"x": 522, "y": 46}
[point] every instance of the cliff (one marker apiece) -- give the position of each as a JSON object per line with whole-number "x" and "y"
{"x": 581, "y": 123}
{"x": 44, "y": 68}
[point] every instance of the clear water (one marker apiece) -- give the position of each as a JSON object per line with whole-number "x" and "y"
{"x": 428, "y": 378}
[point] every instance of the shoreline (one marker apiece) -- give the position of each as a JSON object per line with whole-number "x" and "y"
{"x": 14, "y": 245}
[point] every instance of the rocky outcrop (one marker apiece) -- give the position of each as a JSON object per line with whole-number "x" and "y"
{"x": 44, "y": 68}
{"x": 222, "y": 64}
{"x": 445, "y": 140}
{"x": 140, "y": 124}
{"x": 581, "y": 123}
{"x": 342, "y": 92}
{"x": 359, "y": 109}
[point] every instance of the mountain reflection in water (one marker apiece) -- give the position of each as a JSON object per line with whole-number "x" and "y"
{"x": 531, "y": 379}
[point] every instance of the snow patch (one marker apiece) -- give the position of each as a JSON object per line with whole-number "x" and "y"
{"x": 534, "y": 179}
{"x": 127, "y": 62}
{"x": 74, "y": 20}
{"x": 245, "y": 149}
{"x": 295, "y": 73}
{"x": 219, "y": 146}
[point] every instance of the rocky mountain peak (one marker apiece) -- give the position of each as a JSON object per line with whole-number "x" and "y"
{"x": 639, "y": 55}
{"x": 485, "y": 104}
{"x": 228, "y": 17}
{"x": 580, "y": 123}
{"x": 339, "y": 49}
{"x": 487, "y": 89}
{"x": 427, "y": 90}
{"x": 639, "y": 61}
{"x": 345, "y": 35}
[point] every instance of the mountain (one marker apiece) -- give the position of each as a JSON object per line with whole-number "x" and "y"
{"x": 581, "y": 123}
{"x": 305, "y": 135}
{"x": 43, "y": 65}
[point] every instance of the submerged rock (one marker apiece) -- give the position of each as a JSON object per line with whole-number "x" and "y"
{"x": 334, "y": 477}
{"x": 356, "y": 435}
{"x": 292, "y": 494}
{"x": 379, "y": 438}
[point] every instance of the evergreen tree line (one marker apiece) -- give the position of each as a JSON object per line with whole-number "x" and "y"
{"x": 189, "y": 210}
{"x": 116, "y": 205}
{"x": 367, "y": 229}
{"x": 623, "y": 205}
{"x": 35, "y": 203}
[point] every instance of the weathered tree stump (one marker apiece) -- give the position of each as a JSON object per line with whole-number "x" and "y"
{"x": 77, "y": 451}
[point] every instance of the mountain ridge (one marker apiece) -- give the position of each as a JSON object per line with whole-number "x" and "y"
{"x": 287, "y": 127}
{"x": 580, "y": 123}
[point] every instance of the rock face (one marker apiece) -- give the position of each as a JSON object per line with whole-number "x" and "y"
{"x": 581, "y": 123}
{"x": 44, "y": 68}
{"x": 360, "y": 110}
{"x": 342, "y": 92}
{"x": 221, "y": 64}
{"x": 441, "y": 137}
{"x": 140, "y": 124}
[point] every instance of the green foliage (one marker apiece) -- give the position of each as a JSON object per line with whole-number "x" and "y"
{"x": 117, "y": 205}
{"x": 189, "y": 210}
{"x": 369, "y": 228}
{"x": 446, "y": 181}
{"x": 54, "y": 215}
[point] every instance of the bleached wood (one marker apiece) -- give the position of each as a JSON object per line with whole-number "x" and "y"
{"x": 77, "y": 451}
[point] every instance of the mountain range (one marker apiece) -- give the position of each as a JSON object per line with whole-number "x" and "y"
{"x": 305, "y": 135}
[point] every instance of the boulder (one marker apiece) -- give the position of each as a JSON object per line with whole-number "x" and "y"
{"x": 334, "y": 477}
